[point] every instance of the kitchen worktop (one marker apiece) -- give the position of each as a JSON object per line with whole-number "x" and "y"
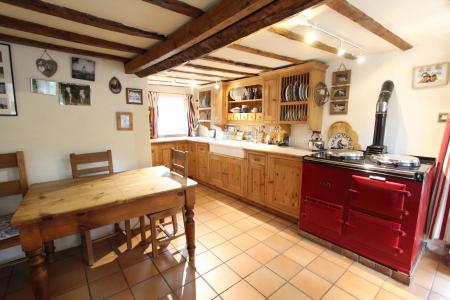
{"x": 289, "y": 150}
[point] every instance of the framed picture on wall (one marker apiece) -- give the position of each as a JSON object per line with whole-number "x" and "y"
{"x": 342, "y": 77}
{"x": 134, "y": 96}
{"x": 74, "y": 94}
{"x": 124, "y": 120}
{"x": 42, "y": 86}
{"x": 340, "y": 92}
{"x": 8, "y": 106}
{"x": 430, "y": 75}
{"x": 83, "y": 69}
{"x": 338, "y": 107}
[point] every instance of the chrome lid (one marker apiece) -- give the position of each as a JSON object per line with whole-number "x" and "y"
{"x": 396, "y": 160}
{"x": 346, "y": 154}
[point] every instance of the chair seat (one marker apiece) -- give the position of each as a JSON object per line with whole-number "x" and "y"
{"x": 6, "y": 229}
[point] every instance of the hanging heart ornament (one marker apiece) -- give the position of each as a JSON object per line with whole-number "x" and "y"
{"x": 48, "y": 67}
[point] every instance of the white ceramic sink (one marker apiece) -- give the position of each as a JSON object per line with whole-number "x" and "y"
{"x": 228, "y": 148}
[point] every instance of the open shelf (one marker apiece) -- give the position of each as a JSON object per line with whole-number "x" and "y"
{"x": 243, "y": 101}
{"x": 204, "y": 108}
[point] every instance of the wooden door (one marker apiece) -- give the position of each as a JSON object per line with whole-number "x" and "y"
{"x": 156, "y": 154}
{"x": 256, "y": 177}
{"x": 192, "y": 159}
{"x": 202, "y": 162}
{"x": 284, "y": 184}
{"x": 234, "y": 175}
{"x": 216, "y": 170}
{"x": 270, "y": 104}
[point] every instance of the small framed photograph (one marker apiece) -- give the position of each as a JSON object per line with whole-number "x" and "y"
{"x": 42, "y": 86}
{"x": 2, "y": 73}
{"x": 2, "y": 88}
{"x": 74, "y": 94}
{"x": 134, "y": 96}
{"x": 8, "y": 106}
{"x": 338, "y": 107}
{"x": 83, "y": 69}
{"x": 443, "y": 117}
{"x": 430, "y": 75}
{"x": 115, "y": 86}
{"x": 340, "y": 92}
{"x": 124, "y": 120}
{"x": 342, "y": 77}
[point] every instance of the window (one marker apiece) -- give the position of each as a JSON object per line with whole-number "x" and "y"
{"x": 172, "y": 118}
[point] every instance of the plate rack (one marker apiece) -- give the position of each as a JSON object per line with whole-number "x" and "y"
{"x": 295, "y": 91}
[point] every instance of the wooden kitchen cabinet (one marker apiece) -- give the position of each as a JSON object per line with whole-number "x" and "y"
{"x": 256, "y": 177}
{"x": 218, "y": 113}
{"x": 216, "y": 170}
{"x": 227, "y": 173}
{"x": 156, "y": 154}
{"x": 270, "y": 103}
{"x": 202, "y": 162}
{"x": 284, "y": 184}
{"x": 191, "y": 147}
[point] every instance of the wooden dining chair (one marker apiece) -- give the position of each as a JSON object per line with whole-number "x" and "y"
{"x": 9, "y": 235}
{"x": 94, "y": 158}
{"x": 178, "y": 165}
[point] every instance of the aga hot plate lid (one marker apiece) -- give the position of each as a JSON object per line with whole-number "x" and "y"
{"x": 397, "y": 160}
{"x": 346, "y": 154}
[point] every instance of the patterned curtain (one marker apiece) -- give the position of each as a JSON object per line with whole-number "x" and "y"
{"x": 190, "y": 114}
{"x": 439, "y": 222}
{"x": 153, "y": 113}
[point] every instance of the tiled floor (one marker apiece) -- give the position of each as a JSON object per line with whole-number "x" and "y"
{"x": 242, "y": 253}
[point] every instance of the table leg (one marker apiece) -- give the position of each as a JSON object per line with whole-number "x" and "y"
{"x": 50, "y": 251}
{"x": 189, "y": 224}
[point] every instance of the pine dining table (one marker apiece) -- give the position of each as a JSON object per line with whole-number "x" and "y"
{"x": 55, "y": 209}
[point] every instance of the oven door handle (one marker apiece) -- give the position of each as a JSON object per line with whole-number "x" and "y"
{"x": 403, "y": 212}
{"x": 353, "y": 191}
{"x": 398, "y": 250}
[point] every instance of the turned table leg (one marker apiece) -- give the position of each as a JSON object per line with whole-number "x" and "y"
{"x": 50, "y": 251}
{"x": 189, "y": 223}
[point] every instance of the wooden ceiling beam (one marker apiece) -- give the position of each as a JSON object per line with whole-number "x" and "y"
{"x": 35, "y": 28}
{"x": 202, "y": 74}
{"x": 81, "y": 17}
{"x": 178, "y": 7}
{"x": 265, "y": 53}
{"x": 185, "y": 78}
{"x": 214, "y": 69}
{"x": 219, "y": 17}
{"x": 356, "y": 15}
{"x": 300, "y": 38}
{"x": 235, "y": 63}
{"x": 38, "y": 44}
{"x": 267, "y": 16}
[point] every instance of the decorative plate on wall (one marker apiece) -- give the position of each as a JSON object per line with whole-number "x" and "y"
{"x": 342, "y": 136}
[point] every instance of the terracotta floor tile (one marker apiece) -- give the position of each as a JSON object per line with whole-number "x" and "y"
{"x": 18, "y": 281}
{"x": 385, "y": 295}
{"x": 66, "y": 282}
{"x": 278, "y": 243}
{"x": 311, "y": 284}
{"x": 242, "y": 290}
{"x": 223, "y": 210}
{"x": 168, "y": 260}
{"x": 244, "y": 241}
{"x": 326, "y": 269}
{"x": 436, "y": 296}
{"x": 311, "y": 246}
{"x": 216, "y": 223}
{"x": 211, "y": 240}
{"x": 201, "y": 229}
{"x": 265, "y": 281}
{"x": 243, "y": 264}
{"x": 206, "y": 262}
{"x": 368, "y": 274}
{"x": 413, "y": 291}
{"x": 196, "y": 290}
{"x": 140, "y": 271}
{"x": 443, "y": 271}
{"x": 336, "y": 293}
{"x": 107, "y": 286}
{"x": 233, "y": 217}
{"x": 129, "y": 258}
{"x": 124, "y": 295}
{"x": 262, "y": 217}
{"x": 289, "y": 292}
{"x": 284, "y": 266}
{"x": 205, "y": 216}
{"x": 226, "y": 251}
{"x": 97, "y": 272}
{"x": 260, "y": 233}
{"x": 61, "y": 267}
{"x": 424, "y": 278}
{"x": 244, "y": 224}
{"x": 150, "y": 289}
{"x": 22, "y": 294}
{"x": 291, "y": 235}
{"x": 221, "y": 278}
{"x": 262, "y": 253}
{"x": 81, "y": 293}
{"x": 357, "y": 286}
{"x": 179, "y": 275}
{"x": 428, "y": 264}
{"x": 337, "y": 258}
{"x": 229, "y": 232}
{"x": 441, "y": 286}
{"x": 300, "y": 255}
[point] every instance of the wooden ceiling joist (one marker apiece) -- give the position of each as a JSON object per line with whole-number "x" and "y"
{"x": 214, "y": 69}
{"x": 81, "y": 17}
{"x": 35, "y": 28}
{"x": 185, "y": 78}
{"x": 235, "y": 63}
{"x": 38, "y": 44}
{"x": 219, "y": 17}
{"x": 267, "y": 16}
{"x": 265, "y": 53}
{"x": 178, "y": 6}
{"x": 356, "y": 15}
{"x": 202, "y": 74}
{"x": 300, "y": 38}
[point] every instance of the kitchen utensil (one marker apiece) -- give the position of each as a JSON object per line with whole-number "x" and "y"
{"x": 316, "y": 142}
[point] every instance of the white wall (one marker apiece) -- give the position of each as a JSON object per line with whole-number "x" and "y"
{"x": 47, "y": 132}
{"x": 412, "y": 125}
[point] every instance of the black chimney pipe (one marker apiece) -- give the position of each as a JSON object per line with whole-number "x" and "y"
{"x": 380, "y": 119}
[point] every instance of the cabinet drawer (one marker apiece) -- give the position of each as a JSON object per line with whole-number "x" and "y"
{"x": 321, "y": 215}
{"x": 202, "y": 148}
{"x": 257, "y": 159}
{"x": 374, "y": 232}
{"x": 244, "y": 117}
{"x": 251, "y": 117}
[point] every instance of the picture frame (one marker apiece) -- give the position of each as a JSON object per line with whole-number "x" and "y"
{"x": 134, "y": 96}
{"x": 124, "y": 121}
{"x": 340, "y": 92}
{"x": 43, "y": 86}
{"x": 338, "y": 107}
{"x": 74, "y": 94}
{"x": 83, "y": 69}
{"x": 342, "y": 77}
{"x": 8, "y": 105}
{"x": 430, "y": 75}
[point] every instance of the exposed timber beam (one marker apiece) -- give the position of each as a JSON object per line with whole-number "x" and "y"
{"x": 35, "y": 28}
{"x": 38, "y": 44}
{"x": 300, "y": 38}
{"x": 214, "y": 69}
{"x": 235, "y": 63}
{"x": 178, "y": 7}
{"x": 219, "y": 17}
{"x": 265, "y": 53}
{"x": 81, "y": 17}
{"x": 356, "y": 15}
{"x": 202, "y": 74}
{"x": 264, "y": 17}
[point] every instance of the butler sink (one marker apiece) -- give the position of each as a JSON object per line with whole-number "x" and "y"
{"x": 228, "y": 148}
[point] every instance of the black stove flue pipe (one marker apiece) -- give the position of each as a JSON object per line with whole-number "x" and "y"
{"x": 380, "y": 119}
